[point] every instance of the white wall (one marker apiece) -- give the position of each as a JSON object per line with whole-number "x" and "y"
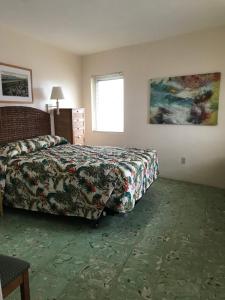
{"x": 203, "y": 147}
{"x": 50, "y": 66}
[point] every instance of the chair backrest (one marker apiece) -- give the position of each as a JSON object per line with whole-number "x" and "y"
{"x": 1, "y": 298}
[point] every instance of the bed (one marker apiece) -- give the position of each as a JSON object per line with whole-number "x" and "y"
{"x": 45, "y": 173}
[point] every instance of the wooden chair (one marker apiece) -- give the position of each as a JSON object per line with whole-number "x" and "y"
{"x": 1, "y": 205}
{"x": 14, "y": 273}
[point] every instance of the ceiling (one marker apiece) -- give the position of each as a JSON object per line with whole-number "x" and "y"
{"x": 89, "y": 26}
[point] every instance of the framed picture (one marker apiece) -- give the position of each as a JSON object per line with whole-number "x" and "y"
{"x": 15, "y": 84}
{"x": 185, "y": 100}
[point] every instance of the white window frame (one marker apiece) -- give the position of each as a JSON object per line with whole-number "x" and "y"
{"x": 94, "y": 80}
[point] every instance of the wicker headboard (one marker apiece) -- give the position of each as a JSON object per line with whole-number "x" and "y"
{"x": 18, "y": 123}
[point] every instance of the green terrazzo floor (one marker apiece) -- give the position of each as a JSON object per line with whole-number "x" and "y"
{"x": 171, "y": 246}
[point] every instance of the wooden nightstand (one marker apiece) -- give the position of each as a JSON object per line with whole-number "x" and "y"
{"x": 70, "y": 123}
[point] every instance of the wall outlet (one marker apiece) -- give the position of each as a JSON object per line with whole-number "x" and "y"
{"x": 183, "y": 160}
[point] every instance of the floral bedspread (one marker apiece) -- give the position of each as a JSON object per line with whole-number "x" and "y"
{"x": 48, "y": 174}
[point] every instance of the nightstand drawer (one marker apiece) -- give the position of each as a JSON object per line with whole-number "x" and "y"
{"x": 78, "y": 132}
{"x": 78, "y": 123}
{"x": 78, "y": 140}
{"x": 78, "y": 113}
{"x": 78, "y": 110}
{"x": 78, "y": 116}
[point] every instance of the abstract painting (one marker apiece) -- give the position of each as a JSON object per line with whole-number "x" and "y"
{"x": 15, "y": 84}
{"x": 185, "y": 100}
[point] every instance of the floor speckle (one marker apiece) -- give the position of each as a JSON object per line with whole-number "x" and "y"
{"x": 170, "y": 247}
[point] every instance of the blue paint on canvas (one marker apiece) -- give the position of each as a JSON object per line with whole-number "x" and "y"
{"x": 185, "y": 100}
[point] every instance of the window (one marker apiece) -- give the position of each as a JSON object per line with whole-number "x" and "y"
{"x": 107, "y": 103}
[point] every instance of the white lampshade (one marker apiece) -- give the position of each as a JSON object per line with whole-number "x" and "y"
{"x": 57, "y": 93}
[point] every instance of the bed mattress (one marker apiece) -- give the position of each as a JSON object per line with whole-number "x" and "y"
{"x": 50, "y": 175}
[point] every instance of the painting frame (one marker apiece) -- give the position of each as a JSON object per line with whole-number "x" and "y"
{"x": 16, "y": 84}
{"x": 185, "y": 99}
